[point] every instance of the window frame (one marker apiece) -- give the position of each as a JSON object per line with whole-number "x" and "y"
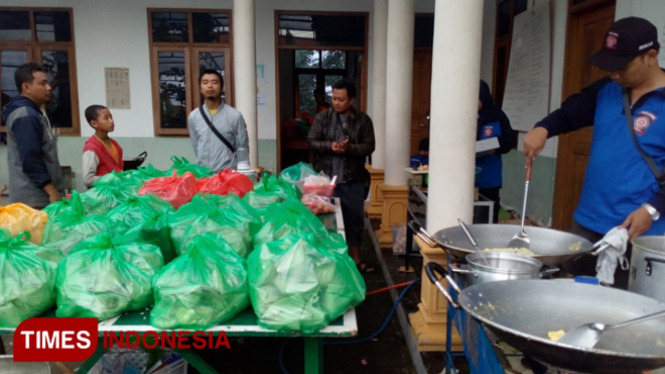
{"x": 191, "y": 50}
{"x": 501, "y": 42}
{"x": 35, "y": 48}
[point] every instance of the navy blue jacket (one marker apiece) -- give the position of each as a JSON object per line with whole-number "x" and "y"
{"x": 617, "y": 180}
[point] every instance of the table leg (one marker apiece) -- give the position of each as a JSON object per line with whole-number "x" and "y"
{"x": 313, "y": 356}
{"x": 90, "y": 363}
{"x": 197, "y": 362}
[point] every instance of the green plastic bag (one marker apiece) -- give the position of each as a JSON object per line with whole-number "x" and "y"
{"x": 297, "y": 284}
{"x": 198, "y": 218}
{"x": 148, "y": 172}
{"x": 297, "y": 173}
{"x": 27, "y": 278}
{"x": 63, "y": 206}
{"x": 154, "y": 230}
{"x": 271, "y": 190}
{"x": 202, "y": 288}
{"x": 244, "y": 217}
{"x": 288, "y": 218}
{"x": 122, "y": 177}
{"x": 100, "y": 279}
{"x": 182, "y": 165}
{"x": 135, "y": 211}
{"x": 106, "y": 196}
{"x": 70, "y": 226}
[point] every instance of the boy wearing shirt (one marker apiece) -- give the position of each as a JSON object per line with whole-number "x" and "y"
{"x": 101, "y": 154}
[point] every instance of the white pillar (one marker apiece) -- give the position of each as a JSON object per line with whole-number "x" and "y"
{"x": 380, "y": 35}
{"x": 399, "y": 86}
{"x": 454, "y": 111}
{"x": 244, "y": 58}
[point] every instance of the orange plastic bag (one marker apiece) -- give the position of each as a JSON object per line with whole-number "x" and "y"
{"x": 177, "y": 190}
{"x": 225, "y": 182}
{"x": 20, "y": 217}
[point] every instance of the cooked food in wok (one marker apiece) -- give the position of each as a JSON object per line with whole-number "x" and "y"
{"x": 555, "y": 335}
{"x": 575, "y": 246}
{"x": 517, "y": 251}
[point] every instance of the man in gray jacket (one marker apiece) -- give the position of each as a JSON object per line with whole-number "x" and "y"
{"x": 222, "y": 143}
{"x": 35, "y": 178}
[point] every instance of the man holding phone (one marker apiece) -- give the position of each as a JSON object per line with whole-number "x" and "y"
{"x": 341, "y": 139}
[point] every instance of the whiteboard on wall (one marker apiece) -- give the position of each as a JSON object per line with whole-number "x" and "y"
{"x": 527, "y": 93}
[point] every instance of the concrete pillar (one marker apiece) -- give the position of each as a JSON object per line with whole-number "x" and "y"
{"x": 379, "y": 53}
{"x": 454, "y": 113}
{"x": 454, "y": 108}
{"x": 380, "y": 35}
{"x": 399, "y": 86}
{"x": 244, "y": 59}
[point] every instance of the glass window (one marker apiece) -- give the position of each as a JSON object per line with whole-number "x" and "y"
{"x": 333, "y": 59}
{"x": 307, "y": 59}
{"x": 423, "y": 35}
{"x": 10, "y": 60}
{"x": 56, "y": 67}
{"x": 215, "y": 61}
{"x": 306, "y": 87}
{"x": 170, "y": 27}
{"x": 330, "y": 80}
{"x": 326, "y": 30}
{"x": 172, "y": 90}
{"x": 210, "y": 27}
{"x": 520, "y": 6}
{"x": 53, "y": 26}
{"x": 14, "y": 25}
{"x": 504, "y": 18}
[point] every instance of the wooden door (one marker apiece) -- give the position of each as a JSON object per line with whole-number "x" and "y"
{"x": 422, "y": 77}
{"x": 586, "y": 32}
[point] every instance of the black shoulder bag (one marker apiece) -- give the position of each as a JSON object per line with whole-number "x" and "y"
{"x": 660, "y": 177}
{"x": 214, "y": 130}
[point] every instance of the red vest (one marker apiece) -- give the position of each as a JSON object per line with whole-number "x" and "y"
{"x": 106, "y": 163}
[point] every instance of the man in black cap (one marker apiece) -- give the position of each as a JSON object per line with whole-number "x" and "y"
{"x": 622, "y": 185}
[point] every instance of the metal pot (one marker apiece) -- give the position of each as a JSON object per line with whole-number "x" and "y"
{"x": 647, "y": 267}
{"x": 498, "y": 266}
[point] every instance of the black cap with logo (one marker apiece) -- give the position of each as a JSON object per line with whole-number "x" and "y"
{"x": 627, "y": 38}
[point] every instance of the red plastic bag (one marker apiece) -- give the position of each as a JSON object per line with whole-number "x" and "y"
{"x": 225, "y": 182}
{"x": 177, "y": 190}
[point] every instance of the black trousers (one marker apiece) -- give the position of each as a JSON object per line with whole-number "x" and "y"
{"x": 493, "y": 195}
{"x": 352, "y": 197}
{"x": 586, "y": 265}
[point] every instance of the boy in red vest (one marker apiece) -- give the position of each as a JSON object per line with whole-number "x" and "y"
{"x": 101, "y": 154}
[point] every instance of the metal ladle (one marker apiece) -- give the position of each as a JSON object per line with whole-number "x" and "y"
{"x": 521, "y": 239}
{"x": 587, "y": 336}
{"x": 473, "y": 241}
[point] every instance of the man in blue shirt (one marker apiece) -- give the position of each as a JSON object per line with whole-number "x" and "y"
{"x": 619, "y": 189}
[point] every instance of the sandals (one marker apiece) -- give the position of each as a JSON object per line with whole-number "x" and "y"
{"x": 365, "y": 268}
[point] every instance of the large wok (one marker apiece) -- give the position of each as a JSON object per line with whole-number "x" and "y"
{"x": 522, "y": 312}
{"x": 551, "y": 247}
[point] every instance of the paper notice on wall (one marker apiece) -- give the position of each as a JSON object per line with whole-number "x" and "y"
{"x": 661, "y": 55}
{"x": 260, "y": 99}
{"x": 527, "y": 93}
{"x": 117, "y": 88}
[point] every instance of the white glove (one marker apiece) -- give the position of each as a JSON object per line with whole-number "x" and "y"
{"x": 606, "y": 265}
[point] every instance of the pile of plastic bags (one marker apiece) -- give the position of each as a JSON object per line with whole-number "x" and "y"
{"x": 201, "y": 247}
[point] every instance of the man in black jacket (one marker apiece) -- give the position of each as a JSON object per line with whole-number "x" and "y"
{"x": 342, "y": 138}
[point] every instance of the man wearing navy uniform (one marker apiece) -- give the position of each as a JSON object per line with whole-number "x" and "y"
{"x": 492, "y": 123}
{"x": 620, "y": 188}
